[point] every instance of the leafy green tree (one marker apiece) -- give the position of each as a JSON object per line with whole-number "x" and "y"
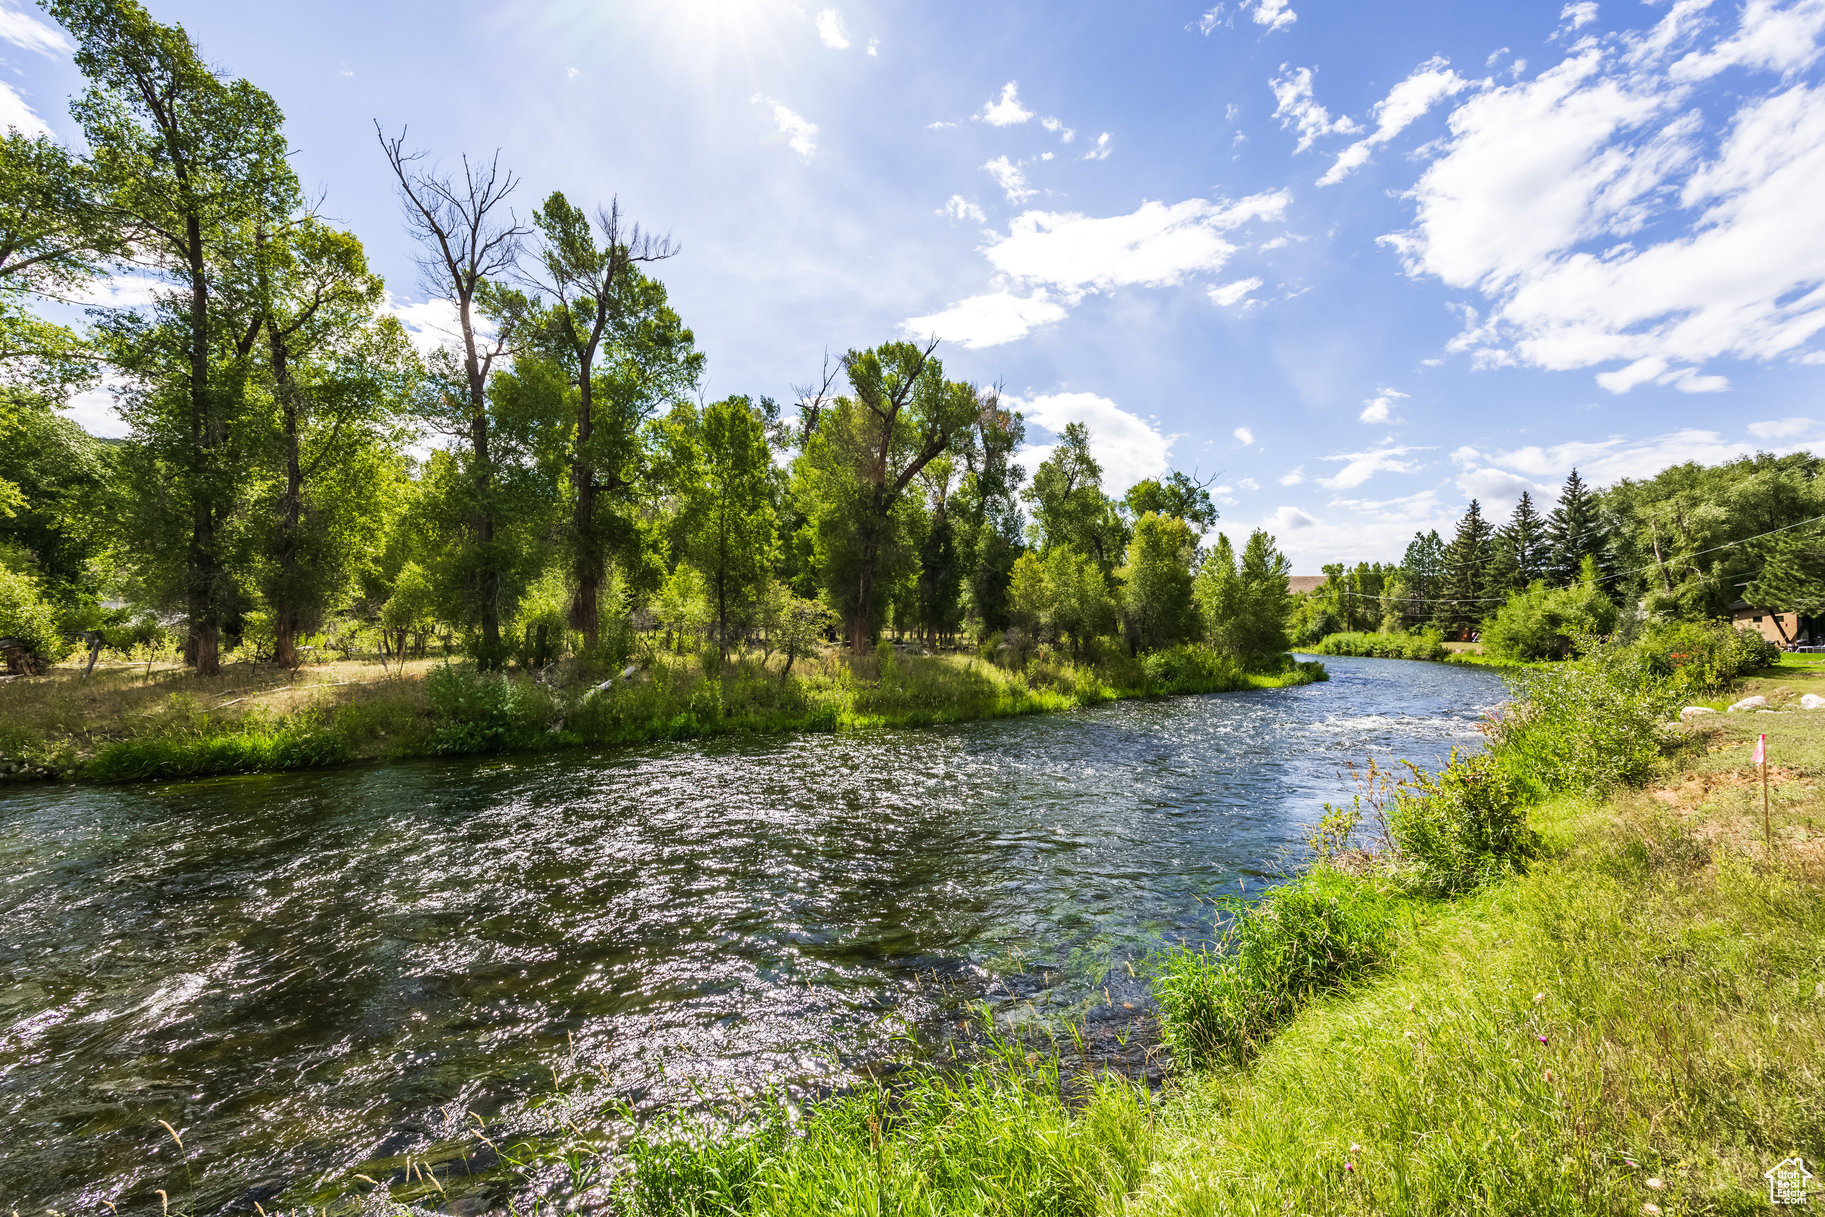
{"x": 194, "y": 165}
{"x": 1029, "y": 595}
{"x": 412, "y": 606}
{"x": 1792, "y": 576}
{"x": 28, "y": 618}
{"x": 938, "y": 590}
{"x": 1217, "y": 590}
{"x": 1465, "y": 590}
{"x": 1259, "y": 631}
{"x": 851, "y": 479}
{"x": 58, "y": 533}
{"x": 1069, "y": 506}
{"x": 1573, "y": 532}
{"x": 1545, "y": 623}
{"x": 1156, "y": 582}
{"x": 988, "y": 513}
{"x": 1424, "y": 570}
{"x": 681, "y": 607}
{"x": 1079, "y": 603}
{"x": 729, "y": 516}
{"x": 1179, "y": 495}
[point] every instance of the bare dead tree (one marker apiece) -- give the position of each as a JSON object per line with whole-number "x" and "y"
{"x": 467, "y": 238}
{"x": 812, "y": 400}
{"x": 582, "y": 279}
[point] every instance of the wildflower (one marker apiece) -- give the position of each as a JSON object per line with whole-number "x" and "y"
{"x": 1538, "y": 998}
{"x": 1549, "y": 1075}
{"x": 1355, "y": 1148}
{"x": 1350, "y": 1166}
{"x": 1542, "y": 1039}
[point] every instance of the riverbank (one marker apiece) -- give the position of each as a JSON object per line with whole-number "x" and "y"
{"x": 132, "y": 723}
{"x": 1613, "y": 1008}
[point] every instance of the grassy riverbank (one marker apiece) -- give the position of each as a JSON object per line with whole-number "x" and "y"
{"x": 1571, "y": 976}
{"x": 128, "y": 723}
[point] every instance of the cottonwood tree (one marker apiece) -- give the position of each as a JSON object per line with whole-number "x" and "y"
{"x": 1180, "y": 495}
{"x": 598, "y": 299}
{"x": 192, "y": 163}
{"x": 1156, "y": 582}
{"x": 729, "y": 519}
{"x": 468, "y": 241}
{"x": 1069, "y": 505}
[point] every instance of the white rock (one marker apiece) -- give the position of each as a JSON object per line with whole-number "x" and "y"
{"x": 1692, "y": 712}
{"x": 1757, "y": 702}
{"x": 1812, "y": 701}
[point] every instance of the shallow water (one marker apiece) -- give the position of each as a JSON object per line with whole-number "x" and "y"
{"x": 303, "y": 972}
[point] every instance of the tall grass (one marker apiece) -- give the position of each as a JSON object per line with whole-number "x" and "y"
{"x": 1429, "y": 644}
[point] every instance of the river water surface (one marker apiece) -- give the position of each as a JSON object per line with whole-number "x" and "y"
{"x": 303, "y": 972}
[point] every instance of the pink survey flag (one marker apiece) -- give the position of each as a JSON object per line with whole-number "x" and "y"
{"x": 1761, "y": 751}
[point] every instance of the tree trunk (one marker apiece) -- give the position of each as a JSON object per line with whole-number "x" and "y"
{"x": 585, "y": 608}
{"x": 483, "y": 522}
{"x": 201, "y": 647}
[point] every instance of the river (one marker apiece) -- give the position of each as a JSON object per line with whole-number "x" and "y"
{"x": 303, "y": 972}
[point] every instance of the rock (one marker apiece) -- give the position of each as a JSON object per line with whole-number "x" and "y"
{"x": 1812, "y": 701}
{"x": 1758, "y": 702}
{"x": 1691, "y": 712}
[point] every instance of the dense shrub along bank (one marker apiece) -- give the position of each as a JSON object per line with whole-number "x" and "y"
{"x": 1427, "y": 644}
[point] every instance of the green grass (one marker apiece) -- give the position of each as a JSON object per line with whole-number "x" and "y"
{"x": 129, "y": 725}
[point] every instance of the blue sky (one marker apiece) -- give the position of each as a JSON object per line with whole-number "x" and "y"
{"x": 1358, "y": 261}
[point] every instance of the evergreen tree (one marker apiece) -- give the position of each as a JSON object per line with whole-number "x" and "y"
{"x": 1572, "y": 532}
{"x": 1423, "y": 571}
{"x": 1465, "y": 587}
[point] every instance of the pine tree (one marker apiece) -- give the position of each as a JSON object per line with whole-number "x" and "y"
{"x": 1466, "y": 582}
{"x": 1572, "y": 532}
{"x": 1525, "y": 534}
{"x": 1423, "y": 569}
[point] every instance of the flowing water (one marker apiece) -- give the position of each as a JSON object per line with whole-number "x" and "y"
{"x": 304, "y": 972}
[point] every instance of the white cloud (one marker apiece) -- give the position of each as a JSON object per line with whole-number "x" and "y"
{"x": 987, "y": 320}
{"x": 14, "y": 112}
{"x": 830, "y": 30}
{"x": 1100, "y": 149}
{"x": 1609, "y": 221}
{"x": 1229, "y": 294}
{"x": 874, "y": 47}
{"x": 799, "y": 132}
{"x": 1578, "y": 15}
{"x": 1244, "y": 435}
{"x": 1249, "y": 484}
{"x": 433, "y": 323}
{"x": 1430, "y": 83}
{"x": 1380, "y": 408}
{"x": 1057, "y": 127}
{"x": 1785, "y": 428}
{"x": 1127, "y": 446}
{"x": 93, "y": 409}
{"x": 1007, "y": 112}
{"x": 1209, "y": 20}
{"x": 960, "y": 208}
{"x": 1289, "y": 519}
{"x": 1011, "y": 178}
{"x": 26, "y": 31}
{"x": 120, "y": 291}
{"x": 1156, "y": 245}
{"x": 570, "y": 73}
{"x": 1297, "y": 109}
{"x": 1293, "y": 476}
{"x": 1274, "y": 14}
{"x": 1359, "y": 467}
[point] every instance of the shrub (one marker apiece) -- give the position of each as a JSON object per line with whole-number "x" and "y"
{"x": 1543, "y": 623}
{"x": 27, "y": 616}
{"x": 474, "y": 712}
{"x": 1704, "y": 657}
{"x": 1317, "y": 935}
{"x": 1429, "y": 644}
{"x": 1589, "y": 724}
{"x": 1457, "y": 829}
{"x": 1192, "y": 669}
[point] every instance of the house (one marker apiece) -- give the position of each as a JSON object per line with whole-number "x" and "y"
{"x": 1783, "y": 628}
{"x": 1787, "y": 1181}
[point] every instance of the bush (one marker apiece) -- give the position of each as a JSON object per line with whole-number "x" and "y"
{"x": 1317, "y": 935}
{"x": 1704, "y": 657}
{"x": 25, "y": 615}
{"x": 474, "y": 712}
{"x": 1460, "y": 828}
{"x": 1429, "y": 644}
{"x": 1192, "y": 668}
{"x": 1544, "y": 623}
{"x": 1589, "y": 724}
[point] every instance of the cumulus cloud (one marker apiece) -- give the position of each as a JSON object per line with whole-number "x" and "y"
{"x": 1290, "y": 519}
{"x": 1430, "y": 83}
{"x": 1249, "y": 484}
{"x": 830, "y": 30}
{"x": 14, "y": 112}
{"x": 1359, "y": 467}
{"x": 1127, "y": 446}
{"x": 1293, "y": 476}
{"x": 1298, "y": 110}
{"x": 1274, "y": 14}
{"x": 799, "y": 132}
{"x": 1011, "y": 178}
{"x": 1380, "y": 408}
{"x": 1611, "y": 223}
{"x": 1230, "y": 294}
{"x": 960, "y": 208}
{"x": 987, "y": 320}
{"x": 1244, "y": 435}
{"x": 27, "y": 32}
{"x": 1578, "y": 15}
{"x": 1785, "y": 428}
{"x": 1007, "y": 111}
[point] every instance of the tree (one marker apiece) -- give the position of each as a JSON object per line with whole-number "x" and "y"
{"x": 1217, "y": 590}
{"x": 1179, "y": 495}
{"x": 988, "y": 514}
{"x": 591, "y": 301}
{"x": 938, "y": 590}
{"x": 1069, "y": 506}
{"x": 1573, "y": 532}
{"x": 1525, "y": 541}
{"x": 1259, "y": 631}
{"x": 730, "y": 525}
{"x": 1545, "y": 623}
{"x": 465, "y": 244}
{"x": 1792, "y": 576}
{"x": 194, "y": 164}
{"x": 856, "y": 467}
{"x": 1424, "y": 568}
{"x": 1156, "y": 582}
{"x": 1029, "y": 595}
{"x": 1465, "y": 592}
{"x": 1079, "y": 604}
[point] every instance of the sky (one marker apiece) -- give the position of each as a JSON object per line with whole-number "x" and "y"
{"x": 1352, "y": 264}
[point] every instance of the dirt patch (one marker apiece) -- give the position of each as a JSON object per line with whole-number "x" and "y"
{"x": 1694, "y": 789}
